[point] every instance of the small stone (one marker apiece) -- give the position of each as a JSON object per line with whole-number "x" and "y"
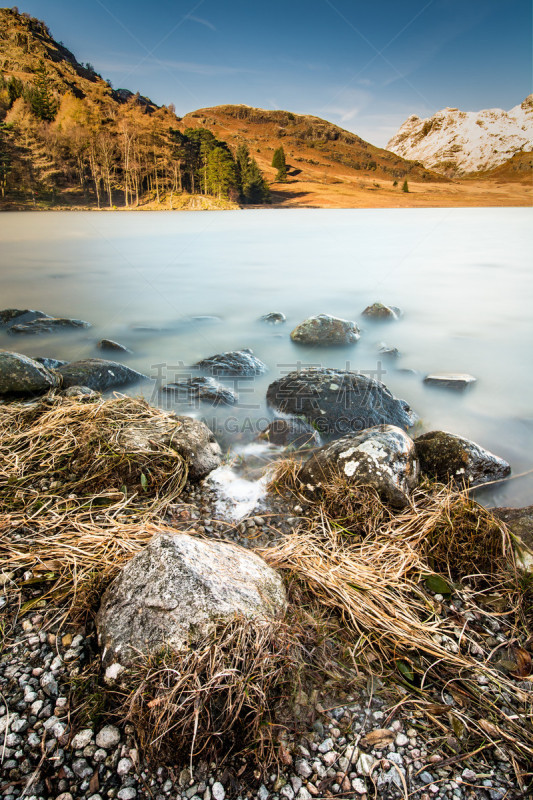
{"x": 127, "y": 793}
{"x": 329, "y": 758}
{"x": 303, "y": 794}
{"x": 426, "y": 777}
{"x": 64, "y": 796}
{"x": 287, "y": 791}
{"x": 365, "y": 764}
{"x": 326, "y": 746}
{"x": 262, "y": 793}
{"x": 108, "y": 737}
{"x": 82, "y": 739}
{"x": 218, "y": 791}
{"x": 49, "y": 684}
{"x": 303, "y": 768}
{"x": 124, "y": 766}
{"x": 81, "y": 768}
{"x": 402, "y": 740}
{"x": 359, "y": 786}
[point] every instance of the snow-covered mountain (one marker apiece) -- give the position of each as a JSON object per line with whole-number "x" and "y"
{"x": 453, "y": 141}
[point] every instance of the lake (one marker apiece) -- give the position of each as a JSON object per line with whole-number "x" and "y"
{"x": 462, "y": 277}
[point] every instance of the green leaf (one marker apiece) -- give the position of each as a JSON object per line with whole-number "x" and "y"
{"x": 405, "y": 669}
{"x": 437, "y": 585}
{"x": 144, "y": 482}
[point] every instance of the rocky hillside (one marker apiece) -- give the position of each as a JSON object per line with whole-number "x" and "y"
{"x": 459, "y": 142}
{"x": 315, "y": 149}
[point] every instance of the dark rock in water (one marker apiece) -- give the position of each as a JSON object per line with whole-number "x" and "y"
{"x": 273, "y": 317}
{"x": 22, "y": 375}
{"x": 81, "y": 393}
{"x": 338, "y": 402}
{"x": 98, "y": 374}
{"x": 388, "y": 352}
{"x": 326, "y": 330}
{"x": 292, "y": 431}
{"x": 381, "y": 312}
{"x": 47, "y": 325}
{"x": 237, "y": 362}
{"x": 206, "y": 390}
{"x": 189, "y": 437}
{"x": 382, "y": 457}
{"x": 10, "y": 316}
{"x": 446, "y": 456}
{"x": 450, "y": 380}
{"x": 520, "y": 523}
{"x": 50, "y": 363}
{"x": 109, "y": 344}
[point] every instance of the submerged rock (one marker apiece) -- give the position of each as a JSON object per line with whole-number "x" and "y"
{"x": 109, "y": 344}
{"x": 47, "y": 324}
{"x": 380, "y": 311}
{"x": 520, "y": 523}
{"x": 327, "y": 330}
{"x": 236, "y": 362}
{"x": 22, "y": 375}
{"x": 206, "y": 390}
{"x": 98, "y": 374}
{"x": 382, "y": 457}
{"x": 189, "y": 437}
{"x": 273, "y": 318}
{"x": 450, "y": 380}
{"x": 175, "y": 590}
{"x": 388, "y": 352}
{"x": 445, "y": 456}
{"x": 292, "y": 431}
{"x": 338, "y": 402}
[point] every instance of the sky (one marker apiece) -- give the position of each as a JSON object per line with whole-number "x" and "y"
{"x": 364, "y": 66}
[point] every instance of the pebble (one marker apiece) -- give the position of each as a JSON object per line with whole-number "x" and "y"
{"x": 108, "y": 737}
{"x": 218, "y": 792}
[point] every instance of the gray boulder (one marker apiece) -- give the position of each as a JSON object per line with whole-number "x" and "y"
{"x": 190, "y": 437}
{"x": 382, "y": 457}
{"x": 234, "y": 363}
{"x": 326, "y": 330}
{"x": 175, "y": 590}
{"x": 22, "y": 375}
{"x": 378, "y": 311}
{"x": 450, "y": 380}
{"x": 47, "y": 324}
{"x": 273, "y": 318}
{"x": 50, "y": 363}
{"x": 97, "y": 374}
{"x": 109, "y": 344}
{"x": 520, "y": 524}
{"x": 445, "y": 456}
{"x": 291, "y": 431}
{"x": 198, "y": 389}
{"x": 338, "y": 402}
{"x": 13, "y": 316}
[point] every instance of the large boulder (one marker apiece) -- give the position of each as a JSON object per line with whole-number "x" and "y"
{"x": 234, "y": 363}
{"x": 338, "y": 402}
{"x": 47, "y": 324}
{"x": 445, "y": 456}
{"x": 97, "y": 374}
{"x": 190, "y": 437}
{"x": 22, "y": 375}
{"x": 15, "y": 316}
{"x": 382, "y": 457}
{"x": 326, "y": 330}
{"x": 378, "y": 311}
{"x": 290, "y": 431}
{"x": 175, "y": 590}
{"x": 201, "y": 389}
{"x": 520, "y": 524}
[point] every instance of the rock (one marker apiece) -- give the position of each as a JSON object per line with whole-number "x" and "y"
{"x": 22, "y": 375}
{"x": 273, "y": 317}
{"x": 520, "y": 524}
{"x": 217, "y": 791}
{"x": 381, "y": 312}
{"x": 206, "y": 390}
{"x": 81, "y": 393}
{"x": 46, "y": 324}
{"x": 450, "y": 380}
{"x": 108, "y": 737}
{"x": 98, "y": 374}
{"x": 190, "y": 437}
{"x": 82, "y": 739}
{"x": 12, "y": 316}
{"x": 109, "y": 344}
{"x": 50, "y": 363}
{"x": 388, "y": 352}
{"x": 382, "y": 457}
{"x": 338, "y": 402}
{"x": 175, "y": 589}
{"x": 234, "y": 363}
{"x": 326, "y": 330}
{"x": 445, "y": 456}
{"x": 292, "y": 431}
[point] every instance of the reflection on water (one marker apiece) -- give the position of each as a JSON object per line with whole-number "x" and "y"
{"x": 176, "y": 288}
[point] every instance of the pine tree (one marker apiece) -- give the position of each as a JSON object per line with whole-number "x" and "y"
{"x": 405, "y": 187}
{"x": 279, "y": 162}
{"x": 255, "y": 189}
{"x": 40, "y": 96}
{"x": 15, "y": 89}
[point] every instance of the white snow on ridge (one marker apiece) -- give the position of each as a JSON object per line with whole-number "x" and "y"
{"x": 466, "y": 141}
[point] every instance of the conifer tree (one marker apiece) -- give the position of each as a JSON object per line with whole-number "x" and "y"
{"x": 279, "y": 162}
{"x": 405, "y": 187}
{"x": 40, "y": 96}
{"x": 255, "y": 188}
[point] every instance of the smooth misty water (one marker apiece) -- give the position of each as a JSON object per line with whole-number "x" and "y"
{"x": 463, "y": 278}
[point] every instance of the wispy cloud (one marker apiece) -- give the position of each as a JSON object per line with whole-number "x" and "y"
{"x": 194, "y": 67}
{"x": 201, "y": 21}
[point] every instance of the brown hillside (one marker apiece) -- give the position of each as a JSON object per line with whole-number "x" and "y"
{"x": 519, "y": 168}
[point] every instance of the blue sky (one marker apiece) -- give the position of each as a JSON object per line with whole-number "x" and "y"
{"x": 364, "y": 66}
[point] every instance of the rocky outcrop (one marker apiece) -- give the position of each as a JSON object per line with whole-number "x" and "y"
{"x": 205, "y": 390}
{"x": 175, "y": 590}
{"x": 520, "y": 524}
{"x": 97, "y": 374}
{"x": 22, "y": 375}
{"x": 445, "y": 456}
{"x": 232, "y": 364}
{"x": 458, "y": 381}
{"x": 338, "y": 402}
{"x": 292, "y": 431}
{"x": 378, "y": 311}
{"x": 189, "y": 437}
{"x": 47, "y": 324}
{"x": 109, "y": 344}
{"x": 325, "y": 330}
{"x": 382, "y": 457}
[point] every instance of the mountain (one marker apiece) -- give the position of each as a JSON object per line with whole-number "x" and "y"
{"x": 457, "y": 142}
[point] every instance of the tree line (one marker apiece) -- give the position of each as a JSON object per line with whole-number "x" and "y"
{"x": 112, "y": 152}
